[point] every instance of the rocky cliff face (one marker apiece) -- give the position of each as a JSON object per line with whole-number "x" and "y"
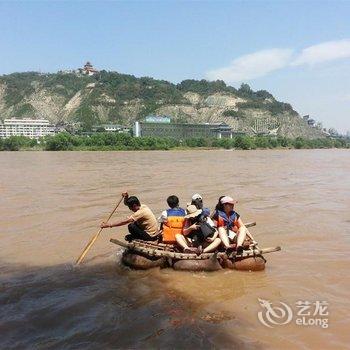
{"x": 118, "y": 98}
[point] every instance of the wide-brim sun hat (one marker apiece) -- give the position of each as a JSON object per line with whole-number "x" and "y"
{"x": 192, "y": 211}
{"x": 227, "y": 200}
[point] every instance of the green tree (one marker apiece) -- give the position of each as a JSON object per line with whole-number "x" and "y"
{"x": 59, "y": 142}
{"x": 223, "y": 143}
{"x": 14, "y": 143}
{"x": 263, "y": 94}
{"x": 299, "y": 143}
{"x": 283, "y": 141}
{"x": 203, "y": 86}
{"x": 261, "y": 142}
{"x": 234, "y": 114}
{"x": 273, "y": 143}
{"x": 244, "y": 142}
{"x": 245, "y": 91}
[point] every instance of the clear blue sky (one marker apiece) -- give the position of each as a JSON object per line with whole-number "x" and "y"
{"x": 299, "y": 51}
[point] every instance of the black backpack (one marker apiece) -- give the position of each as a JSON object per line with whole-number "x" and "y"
{"x": 206, "y": 229}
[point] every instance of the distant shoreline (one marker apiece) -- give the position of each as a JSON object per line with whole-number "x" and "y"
{"x": 175, "y": 150}
{"x": 125, "y": 142}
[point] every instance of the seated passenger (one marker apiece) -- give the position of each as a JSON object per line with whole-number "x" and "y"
{"x": 198, "y": 232}
{"x": 229, "y": 223}
{"x": 172, "y": 220}
{"x": 197, "y": 200}
{"x": 142, "y": 224}
{"x": 218, "y": 207}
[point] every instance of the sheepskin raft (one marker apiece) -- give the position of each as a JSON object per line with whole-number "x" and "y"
{"x": 145, "y": 255}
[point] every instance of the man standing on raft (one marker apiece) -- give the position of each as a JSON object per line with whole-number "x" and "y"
{"x": 142, "y": 224}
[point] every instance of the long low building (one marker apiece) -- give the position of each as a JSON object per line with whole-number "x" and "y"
{"x": 182, "y": 131}
{"x": 111, "y": 128}
{"x": 33, "y": 128}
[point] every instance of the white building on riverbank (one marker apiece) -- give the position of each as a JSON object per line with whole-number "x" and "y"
{"x": 33, "y": 128}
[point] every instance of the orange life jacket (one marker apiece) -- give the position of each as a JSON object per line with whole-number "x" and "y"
{"x": 173, "y": 225}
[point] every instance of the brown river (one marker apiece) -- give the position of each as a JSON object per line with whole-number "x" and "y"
{"x": 51, "y": 204}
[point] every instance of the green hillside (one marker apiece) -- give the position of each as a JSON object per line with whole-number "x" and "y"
{"x": 120, "y": 98}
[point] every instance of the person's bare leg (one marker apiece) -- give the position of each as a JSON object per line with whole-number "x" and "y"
{"x": 223, "y": 237}
{"x": 181, "y": 241}
{"x": 241, "y": 237}
{"x": 212, "y": 246}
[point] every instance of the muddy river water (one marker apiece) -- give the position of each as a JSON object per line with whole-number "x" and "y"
{"x": 52, "y": 203}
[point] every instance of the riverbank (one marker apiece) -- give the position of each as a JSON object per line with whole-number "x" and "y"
{"x": 124, "y": 142}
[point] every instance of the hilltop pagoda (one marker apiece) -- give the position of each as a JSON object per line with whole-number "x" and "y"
{"x": 89, "y": 69}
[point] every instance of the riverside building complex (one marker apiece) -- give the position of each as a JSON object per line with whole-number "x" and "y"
{"x": 182, "y": 131}
{"x": 33, "y": 128}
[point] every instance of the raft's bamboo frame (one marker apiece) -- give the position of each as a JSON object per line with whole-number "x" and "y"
{"x": 150, "y": 249}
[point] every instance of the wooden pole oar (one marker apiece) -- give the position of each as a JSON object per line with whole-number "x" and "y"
{"x": 93, "y": 239}
{"x": 250, "y": 224}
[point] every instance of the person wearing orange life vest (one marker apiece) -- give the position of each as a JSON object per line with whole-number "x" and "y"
{"x": 229, "y": 224}
{"x": 172, "y": 220}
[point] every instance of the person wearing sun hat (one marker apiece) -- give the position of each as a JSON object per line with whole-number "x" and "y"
{"x": 197, "y": 200}
{"x": 198, "y": 232}
{"x": 229, "y": 223}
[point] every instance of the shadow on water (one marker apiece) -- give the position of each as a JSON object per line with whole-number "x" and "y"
{"x": 105, "y": 306}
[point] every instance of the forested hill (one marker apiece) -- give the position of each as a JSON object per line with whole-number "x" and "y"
{"x": 120, "y": 98}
